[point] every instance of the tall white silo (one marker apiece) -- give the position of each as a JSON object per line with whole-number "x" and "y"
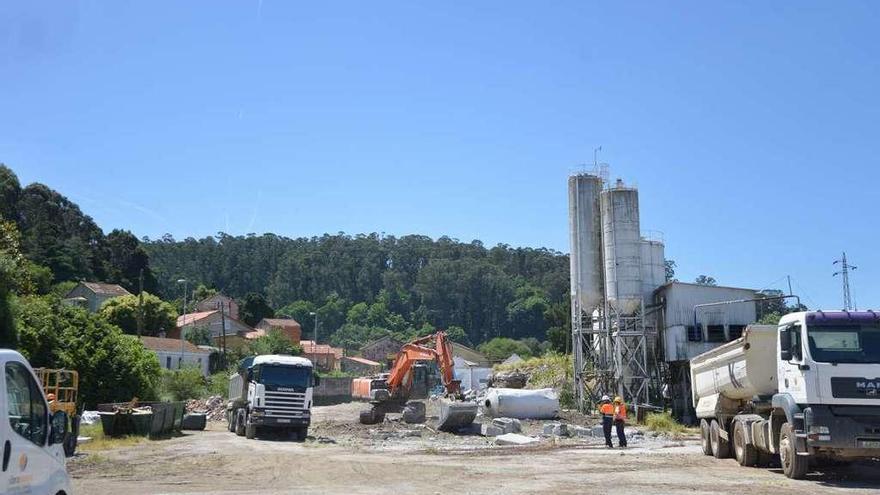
{"x": 585, "y": 233}
{"x": 653, "y": 267}
{"x": 622, "y": 248}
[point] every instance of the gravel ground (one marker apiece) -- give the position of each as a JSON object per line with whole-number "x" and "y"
{"x": 344, "y": 457}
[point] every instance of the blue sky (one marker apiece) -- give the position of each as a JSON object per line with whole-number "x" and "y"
{"x": 749, "y": 127}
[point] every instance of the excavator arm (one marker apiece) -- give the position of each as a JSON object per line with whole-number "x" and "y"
{"x": 416, "y": 350}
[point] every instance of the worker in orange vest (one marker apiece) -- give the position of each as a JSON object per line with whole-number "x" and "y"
{"x": 620, "y": 420}
{"x": 607, "y": 412}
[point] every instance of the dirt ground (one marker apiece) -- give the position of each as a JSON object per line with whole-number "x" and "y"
{"x": 344, "y": 457}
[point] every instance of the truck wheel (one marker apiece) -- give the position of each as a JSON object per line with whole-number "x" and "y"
{"x": 705, "y": 443}
{"x": 250, "y": 431}
{"x": 239, "y": 424}
{"x": 230, "y": 424}
{"x": 302, "y": 434}
{"x": 745, "y": 453}
{"x": 720, "y": 447}
{"x": 794, "y": 466}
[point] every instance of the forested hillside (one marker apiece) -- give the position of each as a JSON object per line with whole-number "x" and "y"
{"x": 360, "y": 286}
{"x": 365, "y": 285}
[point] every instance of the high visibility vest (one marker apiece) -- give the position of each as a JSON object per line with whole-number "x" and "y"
{"x": 606, "y": 409}
{"x": 620, "y": 412}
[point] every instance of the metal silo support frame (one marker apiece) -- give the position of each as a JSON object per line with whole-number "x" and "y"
{"x": 593, "y": 358}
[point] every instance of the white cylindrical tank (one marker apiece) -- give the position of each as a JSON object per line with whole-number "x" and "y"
{"x": 586, "y": 240}
{"x": 737, "y": 370}
{"x": 622, "y": 248}
{"x": 521, "y": 404}
{"x": 653, "y": 268}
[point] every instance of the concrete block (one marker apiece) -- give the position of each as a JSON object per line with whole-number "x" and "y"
{"x": 556, "y": 429}
{"x": 597, "y": 431}
{"x": 579, "y": 431}
{"x": 490, "y": 430}
{"x": 509, "y": 425}
{"x": 514, "y": 439}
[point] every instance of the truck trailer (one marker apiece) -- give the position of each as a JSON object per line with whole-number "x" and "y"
{"x": 271, "y": 392}
{"x": 805, "y": 390}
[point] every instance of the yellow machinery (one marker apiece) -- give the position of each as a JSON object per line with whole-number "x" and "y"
{"x": 61, "y": 387}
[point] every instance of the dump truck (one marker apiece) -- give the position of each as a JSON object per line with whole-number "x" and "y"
{"x": 806, "y": 390}
{"x": 271, "y": 393}
{"x": 407, "y": 380}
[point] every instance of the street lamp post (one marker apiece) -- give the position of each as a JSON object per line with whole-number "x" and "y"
{"x": 182, "y": 281}
{"x": 315, "y": 314}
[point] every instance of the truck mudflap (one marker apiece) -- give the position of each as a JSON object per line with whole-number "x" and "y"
{"x": 845, "y": 431}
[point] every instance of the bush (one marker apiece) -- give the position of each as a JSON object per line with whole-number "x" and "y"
{"x": 218, "y": 384}
{"x": 501, "y": 348}
{"x": 184, "y": 384}
{"x": 664, "y": 423}
{"x": 112, "y": 366}
{"x": 274, "y": 342}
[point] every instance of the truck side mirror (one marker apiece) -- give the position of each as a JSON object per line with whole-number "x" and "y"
{"x": 317, "y": 379}
{"x": 59, "y": 427}
{"x": 785, "y": 344}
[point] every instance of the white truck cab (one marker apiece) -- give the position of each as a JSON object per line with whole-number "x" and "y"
{"x": 32, "y": 459}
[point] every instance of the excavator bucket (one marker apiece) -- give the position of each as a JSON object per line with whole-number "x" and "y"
{"x": 456, "y": 414}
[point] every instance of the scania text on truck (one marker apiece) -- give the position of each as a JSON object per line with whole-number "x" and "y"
{"x": 271, "y": 392}
{"x": 807, "y": 390}
{"x": 32, "y": 455}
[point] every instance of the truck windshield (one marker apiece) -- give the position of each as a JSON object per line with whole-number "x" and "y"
{"x": 845, "y": 343}
{"x": 286, "y": 376}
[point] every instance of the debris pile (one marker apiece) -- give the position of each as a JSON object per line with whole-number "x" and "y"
{"x": 214, "y": 407}
{"x": 508, "y": 379}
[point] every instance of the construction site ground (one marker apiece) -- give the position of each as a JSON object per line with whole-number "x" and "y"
{"x": 342, "y": 456}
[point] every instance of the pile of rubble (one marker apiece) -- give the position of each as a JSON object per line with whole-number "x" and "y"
{"x": 214, "y": 407}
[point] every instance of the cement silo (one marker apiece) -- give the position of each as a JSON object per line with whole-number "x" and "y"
{"x": 622, "y": 248}
{"x": 585, "y": 232}
{"x": 653, "y": 267}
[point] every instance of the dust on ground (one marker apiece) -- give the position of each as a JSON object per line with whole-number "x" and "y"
{"x": 342, "y": 456}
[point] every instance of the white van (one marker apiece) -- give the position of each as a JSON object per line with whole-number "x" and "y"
{"x": 32, "y": 457}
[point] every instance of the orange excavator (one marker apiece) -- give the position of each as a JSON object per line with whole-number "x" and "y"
{"x": 392, "y": 392}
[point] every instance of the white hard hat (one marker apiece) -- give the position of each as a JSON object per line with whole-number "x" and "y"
{"x": 606, "y": 398}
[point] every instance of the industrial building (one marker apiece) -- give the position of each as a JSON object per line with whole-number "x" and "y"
{"x": 687, "y": 332}
{"x": 633, "y": 331}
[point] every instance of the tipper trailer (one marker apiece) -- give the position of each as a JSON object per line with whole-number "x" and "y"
{"x": 806, "y": 389}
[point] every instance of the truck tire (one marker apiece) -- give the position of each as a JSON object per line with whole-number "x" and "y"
{"x": 230, "y": 424}
{"x": 239, "y": 424}
{"x": 746, "y": 454}
{"x": 720, "y": 446}
{"x": 794, "y": 466}
{"x": 302, "y": 434}
{"x": 705, "y": 442}
{"x": 250, "y": 431}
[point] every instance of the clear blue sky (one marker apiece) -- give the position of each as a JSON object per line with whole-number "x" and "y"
{"x": 750, "y": 128}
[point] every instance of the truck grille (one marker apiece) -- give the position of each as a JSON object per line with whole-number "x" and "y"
{"x": 285, "y": 404}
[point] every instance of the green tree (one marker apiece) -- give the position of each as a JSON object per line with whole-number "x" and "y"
{"x": 301, "y": 311}
{"x": 526, "y": 312}
{"x": 199, "y": 335}
{"x": 112, "y": 366}
{"x": 501, "y": 348}
{"x": 670, "y": 266}
{"x": 159, "y": 316}
{"x": 457, "y": 334}
{"x": 274, "y": 342}
{"x": 10, "y": 190}
{"x": 126, "y": 260}
{"x": 184, "y": 384}
{"x": 705, "y": 280}
{"x": 254, "y": 308}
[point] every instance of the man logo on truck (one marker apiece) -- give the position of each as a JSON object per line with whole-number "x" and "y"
{"x": 868, "y": 388}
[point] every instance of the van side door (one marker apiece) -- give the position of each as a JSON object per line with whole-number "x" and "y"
{"x": 27, "y": 465}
